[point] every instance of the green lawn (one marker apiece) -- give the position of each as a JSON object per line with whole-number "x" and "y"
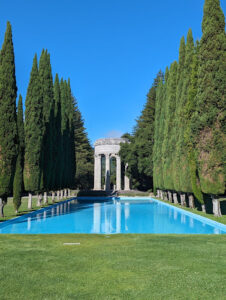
{"x": 113, "y": 267}
{"x": 9, "y": 211}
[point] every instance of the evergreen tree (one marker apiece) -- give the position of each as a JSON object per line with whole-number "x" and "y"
{"x": 46, "y": 83}
{"x": 18, "y": 178}
{"x": 58, "y": 137}
{"x": 33, "y": 180}
{"x": 209, "y": 120}
{"x": 177, "y": 121}
{"x": 185, "y": 180}
{"x": 83, "y": 153}
{"x": 168, "y": 144}
{"x": 8, "y": 127}
{"x": 190, "y": 109}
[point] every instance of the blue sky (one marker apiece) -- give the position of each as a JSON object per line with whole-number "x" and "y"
{"x": 110, "y": 49}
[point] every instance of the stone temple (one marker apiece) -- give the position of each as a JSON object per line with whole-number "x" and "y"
{"x": 109, "y": 148}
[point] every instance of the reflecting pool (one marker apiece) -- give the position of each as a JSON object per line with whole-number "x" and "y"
{"x": 110, "y": 217}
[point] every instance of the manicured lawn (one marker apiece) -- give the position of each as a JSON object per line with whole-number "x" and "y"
{"x": 113, "y": 267}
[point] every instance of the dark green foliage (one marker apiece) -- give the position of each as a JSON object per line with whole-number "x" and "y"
{"x": 209, "y": 119}
{"x": 8, "y": 127}
{"x": 83, "y": 153}
{"x": 34, "y": 129}
{"x": 176, "y": 164}
{"x": 138, "y": 154}
{"x": 18, "y": 178}
{"x": 183, "y": 167}
{"x": 47, "y": 94}
{"x": 168, "y": 144}
{"x": 58, "y": 136}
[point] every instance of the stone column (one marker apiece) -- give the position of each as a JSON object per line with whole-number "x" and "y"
{"x": 107, "y": 172}
{"x": 97, "y": 172}
{"x": 126, "y": 180}
{"x": 118, "y": 173}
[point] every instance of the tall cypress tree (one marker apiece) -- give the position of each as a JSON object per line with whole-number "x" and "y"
{"x": 169, "y": 141}
{"x": 209, "y": 123}
{"x": 33, "y": 176}
{"x": 46, "y": 82}
{"x": 18, "y": 178}
{"x": 8, "y": 127}
{"x": 185, "y": 180}
{"x": 58, "y": 136}
{"x": 180, "y": 77}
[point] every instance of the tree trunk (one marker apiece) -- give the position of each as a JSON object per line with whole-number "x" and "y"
{"x": 29, "y": 201}
{"x": 16, "y": 211}
{"x": 61, "y": 194}
{"x": 58, "y": 195}
{"x": 69, "y": 193}
{"x": 39, "y": 200}
{"x": 175, "y": 200}
{"x": 1, "y": 207}
{"x": 65, "y": 193}
{"x": 191, "y": 201}
{"x": 182, "y": 199}
{"x": 165, "y": 196}
{"x": 45, "y": 198}
{"x": 158, "y": 195}
{"x": 216, "y": 207}
{"x": 203, "y": 208}
{"x": 170, "y": 196}
{"x": 53, "y": 197}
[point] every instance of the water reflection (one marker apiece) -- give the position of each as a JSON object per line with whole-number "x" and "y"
{"x": 110, "y": 217}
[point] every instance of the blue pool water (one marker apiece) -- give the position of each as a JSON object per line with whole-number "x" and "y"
{"x": 112, "y": 216}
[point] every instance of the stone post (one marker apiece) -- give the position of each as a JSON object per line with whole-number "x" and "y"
{"x": 107, "y": 172}
{"x": 170, "y": 196}
{"x": 175, "y": 198}
{"x": 182, "y": 199}
{"x": 118, "y": 173}
{"x": 126, "y": 180}
{"x": 191, "y": 201}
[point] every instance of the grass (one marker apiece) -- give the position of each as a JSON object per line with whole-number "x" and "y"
{"x": 198, "y": 212}
{"x": 113, "y": 267}
{"x": 9, "y": 211}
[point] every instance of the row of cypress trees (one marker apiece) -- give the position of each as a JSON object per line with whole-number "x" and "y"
{"x": 189, "y": 149}
{"x": 39, "y": 155}
{"x": 178, "y": 144}
{"x": 49, "y": 161}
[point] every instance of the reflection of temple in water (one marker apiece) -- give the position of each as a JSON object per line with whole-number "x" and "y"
{"x": 110, "y": 221}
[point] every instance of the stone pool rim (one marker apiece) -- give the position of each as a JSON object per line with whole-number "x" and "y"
{"x": 210, "y": 222}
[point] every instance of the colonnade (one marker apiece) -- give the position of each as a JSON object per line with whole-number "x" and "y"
{"x": 109, "y": 148}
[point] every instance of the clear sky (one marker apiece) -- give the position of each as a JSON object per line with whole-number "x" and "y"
{"x": 110, "y": 49}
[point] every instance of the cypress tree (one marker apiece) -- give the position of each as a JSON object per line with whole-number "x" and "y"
{"x": 185, "y": 180}
{"x": 209, "y": 122}
{"x": 64, "y": 126}
{"x": 190, "y": 109}
{"x": 18, "y": 178}
{"x": 33, "y": 176}
{"x": 58, "y": 137}
{"x": 46, "y": 82}
{"x": 169, "y": 141}
{"x": 8, "y": 127}
{"x": 177, "y": 121}
{"x": 83, "y": 153}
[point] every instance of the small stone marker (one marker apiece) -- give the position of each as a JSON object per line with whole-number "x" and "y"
{"x": 71, "y": 244}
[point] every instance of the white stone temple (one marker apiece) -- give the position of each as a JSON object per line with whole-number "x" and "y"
{"x": 109, "y": 148}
